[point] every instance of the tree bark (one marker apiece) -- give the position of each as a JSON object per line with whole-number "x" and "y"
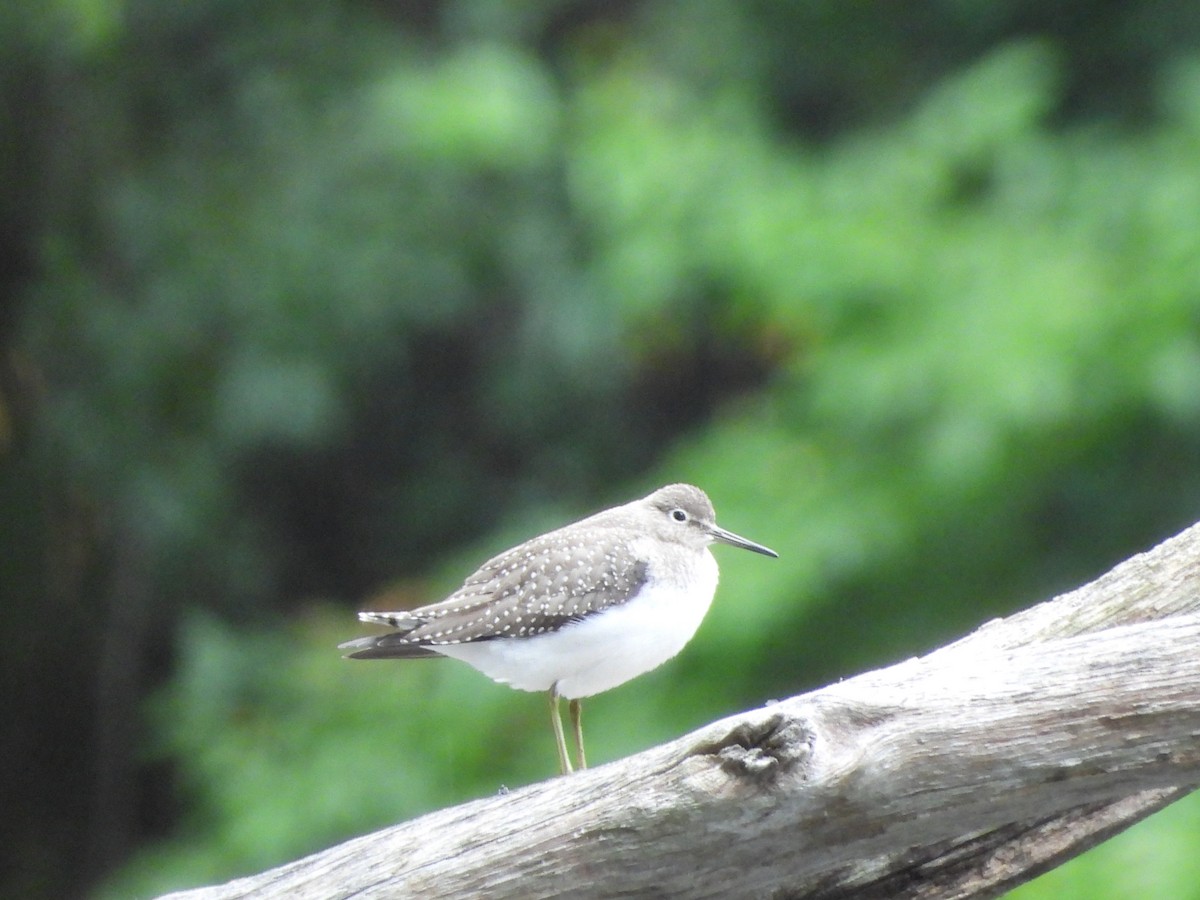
{"x": 959, "y": 774}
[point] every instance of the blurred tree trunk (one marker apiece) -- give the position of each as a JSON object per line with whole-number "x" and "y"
{"x": 124, "y": 631}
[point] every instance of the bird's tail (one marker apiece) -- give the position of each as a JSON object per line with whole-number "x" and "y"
{"x": 402, "y": 620}
{"x": 394, "y": 645}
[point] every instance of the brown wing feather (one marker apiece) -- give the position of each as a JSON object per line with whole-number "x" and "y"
{"x": 539, "y": 586}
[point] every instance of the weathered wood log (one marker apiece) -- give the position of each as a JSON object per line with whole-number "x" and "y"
{"x": 959, "y": 774}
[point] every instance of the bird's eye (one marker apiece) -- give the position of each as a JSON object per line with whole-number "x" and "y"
{"x": 679, "y": 515}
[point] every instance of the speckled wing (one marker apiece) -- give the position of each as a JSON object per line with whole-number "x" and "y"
{"x": 537, "y": 587}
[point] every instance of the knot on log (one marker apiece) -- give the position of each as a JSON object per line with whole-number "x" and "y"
{"x": 764, "y": 748}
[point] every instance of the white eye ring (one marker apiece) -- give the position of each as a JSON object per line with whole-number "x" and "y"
{"x": 679, "y": 515}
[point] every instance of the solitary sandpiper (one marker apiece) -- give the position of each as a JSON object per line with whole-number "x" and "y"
{"x": 578, "y": 610}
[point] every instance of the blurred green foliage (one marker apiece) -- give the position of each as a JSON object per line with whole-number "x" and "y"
{"x": 316, "y": 305}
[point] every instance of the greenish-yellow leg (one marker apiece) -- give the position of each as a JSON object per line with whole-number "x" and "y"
{"x": 577, "y": 726}
{"x": 564, "y": 764}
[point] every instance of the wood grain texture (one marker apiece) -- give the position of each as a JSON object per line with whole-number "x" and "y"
{"x": 959, "y": 774}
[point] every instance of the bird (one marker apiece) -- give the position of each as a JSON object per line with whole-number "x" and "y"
{"x": 578, "y": 610}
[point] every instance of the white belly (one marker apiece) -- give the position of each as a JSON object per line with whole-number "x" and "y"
{"x": 605, "y": 649}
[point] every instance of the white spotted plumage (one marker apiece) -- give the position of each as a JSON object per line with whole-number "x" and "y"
{"x": 601, "y": 651}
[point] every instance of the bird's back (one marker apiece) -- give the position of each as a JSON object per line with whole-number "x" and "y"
{"x": 537, "y": 587}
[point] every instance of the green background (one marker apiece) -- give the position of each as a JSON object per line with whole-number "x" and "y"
{"x": 311, "y": 306}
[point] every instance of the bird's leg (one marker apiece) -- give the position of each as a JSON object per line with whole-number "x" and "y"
{"x": 564, "y": 764}
{"x": 577, "y": 726}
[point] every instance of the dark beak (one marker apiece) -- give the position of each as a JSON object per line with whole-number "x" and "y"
{"x": 736, "y": 540}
